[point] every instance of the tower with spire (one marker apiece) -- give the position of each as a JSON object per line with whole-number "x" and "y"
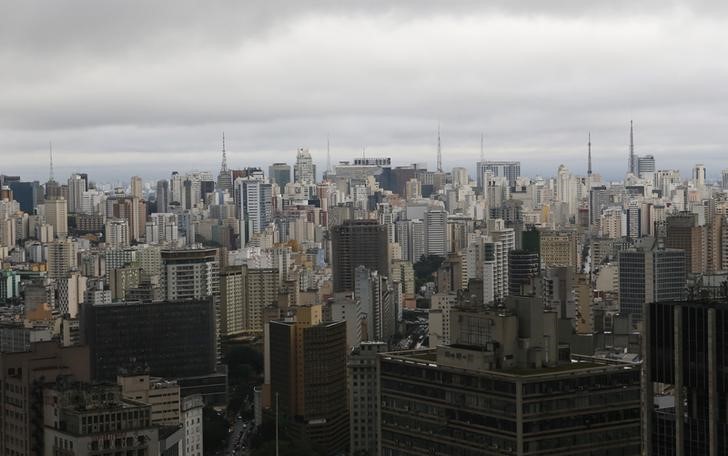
{"x": 224, "y": 178}
{"x": 632, "y": 165}
{"x": 52, "y": 188}
{"x": 439, "y": 150}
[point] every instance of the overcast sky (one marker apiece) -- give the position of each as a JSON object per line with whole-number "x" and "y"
{"x": 137, "y": 87}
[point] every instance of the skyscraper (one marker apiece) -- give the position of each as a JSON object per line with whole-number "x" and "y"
{"x": 256, "y": 207}
{"x": 76, "y": 187}
{"x": 135, "y": 187}
{"x": 511, "y": 170}
{"x": 163, "y": 196}
{"x": 436, "y": 232}
{"x": 683, "y": 232}
{"x": 280, "y": 174}
{"x": 358, "y": 243}
{"x": 304, "y": 172}
{"x": 647, "y": 276}
{"x": 307, "y": 370}
{"x": 189, "y": 274}
{"x": 363, "y": 378}
{"x": 685, "y": 391}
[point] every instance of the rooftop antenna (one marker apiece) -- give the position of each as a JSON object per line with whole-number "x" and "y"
{"x": 50, "y": 152}
{"x": 328, "y": 155}
{"x": 589, "y": 168}
{"x": 439, "y": 150}
{"x": 223, "y": 167}
{"x": 631, "y": 148}
{"x": 482, "y": 150}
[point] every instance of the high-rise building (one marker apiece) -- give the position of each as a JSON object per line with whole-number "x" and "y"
{"x": 685, "y": 392}
{"x": 163, "y": 196}
{"x": 645, "y": 166}
{"x": 61, "y": 258}
{"x": 724, "y": 179}
{"x": 256, "y": 207}
{"x": 23, "y": 376}
{"x": 358, "y": 243}
{"x": 436, "y": 232}
{"x": 559, "y": 248}
{"x": 306, "y": 365}
{"x": 55, "y": 212}
{"x": 244, "y": 294}
{"x": 77, "y": 185}
{"x": 502, "y": 387}
{"x": 163, "y": 396}
{"x": 171, "y": 339}
{"x": 373, "y": 290}
{"x": 116, "y": 233}
{"x": 135, "y": 187}
{"x": 280, "y": 174}
{"x": 523, "y": 268}
{"x": 304, "y": 171}
{"x": 189, "y": 274}
{"x": 699, "y": 176}
{"x": 27, "y": 194}
{"x": 511, "y": 170}
{"x": 683, "y": 232}
{"x": 647, "y": 276}
{"x": 224, "y": 177}
{"x": 363, "y": 378}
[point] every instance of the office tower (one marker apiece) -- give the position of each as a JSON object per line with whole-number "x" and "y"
{"x": 683, "y": 232}
{"x": 56, "y": 215}
{"x": 377, "y": 303}
{"x": 61, "y": 258}
{"x": 82, "y": 418}
{"x": 116, "y": 233}
{"x": 501, "y": 387}
{"x": 224, "y": 177}
{"x": 23, "y": 376}
{"x": 559, "y": 248}
{"x": 135, "y": 187}
{"x": 304, "y": 171}
{"x": 358, "y": 243}
{"x": 610, "y": 223}
{"x": 634, "y": 220}
{"x": 172, "y": 339}
{"x": 192, "y": 420}
{"x": 685, "y": 392}
{"x": 647, "y": 276}
{"x": 523, "y": 268}
{"x": 27, "y": 194}
{"x": 163, "y": 196}
{"x": 646, "y": 166}
{"x": 306, "y": 363}
{"x": 436, "y": 232}
{"x": 280, "y": 174}
{"x": 76, "y": 187}
{"x": 256, "y": 207}
{"x": 699, "y": 176}
{"x": 189, "y": 274}
{"x": 363, "y": 378}
{"x": 175, "y": 188}
{"x": 511, "y": 170}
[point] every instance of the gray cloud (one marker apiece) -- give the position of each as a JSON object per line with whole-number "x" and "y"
{"x": 145, "y": 87}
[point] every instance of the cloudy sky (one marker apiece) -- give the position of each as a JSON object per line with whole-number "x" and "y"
{"x": 139, "y": 87}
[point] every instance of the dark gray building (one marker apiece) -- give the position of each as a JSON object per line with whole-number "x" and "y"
{"x": 685, "y": 392}
{"x": 358, "y": 243}
{"x": 280, "y": 174}
{"x": 647, "y": 276}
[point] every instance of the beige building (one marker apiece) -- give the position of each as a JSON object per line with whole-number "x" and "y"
{"x": 56, "y": 214}
{"x": 559, "y": 248}
{"x": 61, "y": 258}
{"x": 162, "y": 395}
{"x": 244, "y": 294}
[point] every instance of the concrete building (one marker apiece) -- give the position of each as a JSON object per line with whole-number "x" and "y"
{"x": 120, "y": 336}
{"x": 84, "y": 420}
{"x": 503, "y": 386}
{"x": 358, "y": 243}
{"x": 683, "y": 232}
{"x": 189, "y": 274}
{"x": 55, "y": 213}
{"x": 280, "y": 174}
{"x": 559, "y": 248}
{"x": 192, "y": 425}
{"x": 162, "y": 395}
{"x": 23, "y": 377}
{"x": 61, "y": 258}
{"x": 306, "y": 365}
{"x": 436, "y": 232}
{"x": 244, "y": 294}
{"x": 511, "y": 170}
{"x": 363, "y": 378}
{"x": 116, "y": 233}
{"x": 304, "y": 171}
{"x": 375, "y": 295}
{"x": 685, "y": 392}
{"x": 647, "y": 276}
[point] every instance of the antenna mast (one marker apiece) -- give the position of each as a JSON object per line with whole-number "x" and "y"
{"x": 631, "y": 148}
{"x": 50, "y": 153}
{"x": 439, "y": 150}
{"x": 223, "y": 167}
{"x": 482, "y": 150}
